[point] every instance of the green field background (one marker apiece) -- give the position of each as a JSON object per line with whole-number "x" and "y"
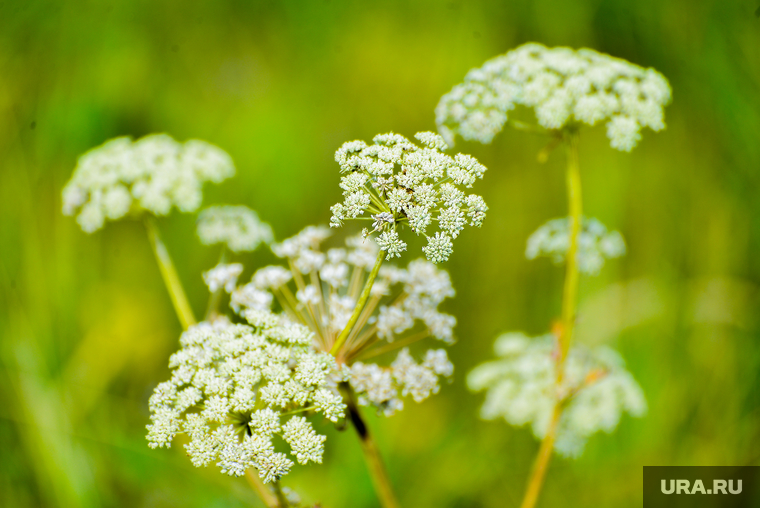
{"x": 86, "y": 326}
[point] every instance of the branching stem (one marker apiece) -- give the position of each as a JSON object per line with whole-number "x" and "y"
{"x": 363, "y": 297}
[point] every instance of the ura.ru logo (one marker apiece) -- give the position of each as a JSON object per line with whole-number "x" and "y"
{"x": 698, "y": 487}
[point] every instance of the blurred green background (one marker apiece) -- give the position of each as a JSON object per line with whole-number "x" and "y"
{"x": 86, "y": 326}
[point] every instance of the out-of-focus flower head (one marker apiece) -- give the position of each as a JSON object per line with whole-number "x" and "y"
{"x": 595, "y": 244}
{"x": 153, "y": 174}
{"x": 237, "y": 227}
{"x": 521, "y": 387}
{"x": 395, "y": 182}
{"x": 563, "y": 86}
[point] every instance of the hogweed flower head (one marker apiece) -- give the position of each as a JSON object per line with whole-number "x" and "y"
{"x": 319, "y": 289}
{"x": 223, "y": 276}
{"x": 521, "y": 388}
{"x": 385, "y": 387}
{"x": 595, "y": 244}
{"x": 395, "y": 182}
{"x": 232, "y": 389}
{"x": 237, "y": 227}
{"x": 153, "y": 174}
{"x": 563, "y": 86}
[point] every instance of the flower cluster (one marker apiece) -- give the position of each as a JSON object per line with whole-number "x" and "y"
{"x": 562, "y": 85}
{"x": 231, "y": 386}
{"x": 595, "y": 244}
{"x": 521, "y": 388}
{"x": 384, "y": 387}
{"x": 237, "y": 227}
{"x": 153, "y": 174}
{"x": 223, "y": 276}
{"x": 320, "y": 290}
{"x": 400, "y": 183}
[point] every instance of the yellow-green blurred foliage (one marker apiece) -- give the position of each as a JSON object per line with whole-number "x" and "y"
{"x": 86, "y": 326}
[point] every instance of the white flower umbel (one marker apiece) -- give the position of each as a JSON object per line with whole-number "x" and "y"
{"x": 233, "y": 388}
{"x": 385, "y": 387}
{"x": 562, "y": 86}
{"x": 223, "y": 276}
{"x": 320, "y": 288}
{"x": 395, "y": 183}
{"x": 595, "y": 244}
{"x": 521, "y": 388}
{"x": 237, "y": 227}
{"x": 153, "y": 174}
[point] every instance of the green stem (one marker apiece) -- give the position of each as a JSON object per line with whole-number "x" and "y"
{"x": 542, "y": 462}
{"x": 169, "y": 274}
{"x": 281, "y": 499}
{"x": 359, "y": 305}
{"x": 570, "y": 292}
{"x": 569, "y": 302}
{"x": 377, "y": 471}
{"x": 265, "y": 494}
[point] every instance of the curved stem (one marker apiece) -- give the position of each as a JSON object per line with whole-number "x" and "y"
{"x": 569, "y": 301}
{"x": 359, "y": 305}
{"x": 169, "y": 274}
{"x": 377, "y": 471}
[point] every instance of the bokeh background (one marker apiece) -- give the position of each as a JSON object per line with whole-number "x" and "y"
{"x": 86, "y": 326}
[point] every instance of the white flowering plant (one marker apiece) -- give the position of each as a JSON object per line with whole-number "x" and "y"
{"x": 398, "y": 183}
{"x": 300, "y": 337}
{"x": 151, "y": 175}
{"x": 319, "y": 289}
{"x": 233, "y": 385}
{"x": 521, "y": 387}
{"x": 237, "y": 228}
{"x": 595, "y": 244}
{"x": 332, "y": 327}
{"x": 564, "y": 87}
{"x": 565, "y": 391}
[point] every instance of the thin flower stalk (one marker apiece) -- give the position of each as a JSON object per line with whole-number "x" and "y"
{"x": 377, "y": 470}
{"x": 169, "y": 274}
{"x": 542, "y": 462}
{"x": 359, "y": 304}
{"x": 575, "y": 204}
{"x": 212, "y": 308}
{"x": 569, "y": 304}
{"x": 282, "y": 500}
